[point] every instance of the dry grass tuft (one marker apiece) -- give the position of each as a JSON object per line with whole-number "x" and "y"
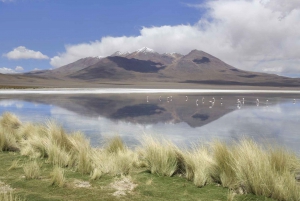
{"x": 114, "y": 145}
{"x": 224, "y": 172}
{"x": 161, "y": 157}
{"x": 58, "y": 177}
{"x": 10, "y": 121}
{"x": 198, "y": 166}
{"x": 261, "y": 173}
{"x": 32, "y": 170}
{"x": 80, "y": 153}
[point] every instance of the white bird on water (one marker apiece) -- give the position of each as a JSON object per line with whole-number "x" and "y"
{"x": 197, "y": 102}
{"x": 186, "y": 98}
{"x": 147, "y": 99}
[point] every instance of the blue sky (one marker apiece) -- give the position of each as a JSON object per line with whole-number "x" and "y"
{"x": 256, "y": 35}
{"x": 48, "y": 25}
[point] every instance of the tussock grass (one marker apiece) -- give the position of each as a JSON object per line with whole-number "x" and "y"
{"x": 113, "y": 162}
{"x": 32, "y": 170}
{"x": 58, "y": 177}
{"x": 261, "y": 173}
{"x": 8, "y": 141}
{"x": 9, "y": 121}
{"x": 9, "y": 138}
{"x": 243, "y": 167}
{"x": 224, "y": 172}
{"x": 114, "y": 145}
{"x": 198, "y": 165}
{"x": 80, "y": 153}
{"x": 161, "y": 157}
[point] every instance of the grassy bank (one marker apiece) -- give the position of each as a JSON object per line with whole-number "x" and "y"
{"x": 43, "y": 162}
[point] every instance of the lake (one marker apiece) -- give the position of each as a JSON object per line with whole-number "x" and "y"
{"x": 184, "y": 118}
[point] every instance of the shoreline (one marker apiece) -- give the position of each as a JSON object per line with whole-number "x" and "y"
{"x": 141, "y": 91}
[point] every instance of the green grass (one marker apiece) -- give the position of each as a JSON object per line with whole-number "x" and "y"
{"x": 160, "y": 188}
{"x": 43, "y": 162}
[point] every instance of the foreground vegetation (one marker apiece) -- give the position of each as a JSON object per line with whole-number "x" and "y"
{"x": 43, "y": 162}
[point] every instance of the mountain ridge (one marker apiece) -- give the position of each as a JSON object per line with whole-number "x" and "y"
{"x": 145, "y": 64}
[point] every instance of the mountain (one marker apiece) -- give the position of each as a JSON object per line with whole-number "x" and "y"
{"x": 68, "y": 69}
{"x": 146, "y": 65}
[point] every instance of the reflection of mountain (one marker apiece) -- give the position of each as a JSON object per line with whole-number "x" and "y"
{"x": 136, "y": 109}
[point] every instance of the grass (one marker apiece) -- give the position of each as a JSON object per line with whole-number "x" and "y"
{"x": 9, "y": 196}
{"x": 161, "y": 157}
{"x": 32, "y": 170}
{"x": 57, "y": 165}
{"x": 58, "y": 177}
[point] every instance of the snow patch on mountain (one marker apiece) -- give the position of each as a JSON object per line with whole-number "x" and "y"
{"x": 100, "y": 57}
{"x": 145, "y": 50}
{"x": 119, "y": 53}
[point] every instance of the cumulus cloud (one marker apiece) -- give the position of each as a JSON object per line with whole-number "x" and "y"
{"x": 22, "y": 52}
{"x": 248, "y": 34}
{"x": 19, "y": 68}
{"x": 5, "y": 70}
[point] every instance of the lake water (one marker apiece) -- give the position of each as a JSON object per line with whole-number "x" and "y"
{"x": 275, "y": 118}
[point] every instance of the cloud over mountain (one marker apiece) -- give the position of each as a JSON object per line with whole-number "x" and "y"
{"x": 5, "y": 70}
{"x": 22, "y": 52}
{"x": 248, "y": 34}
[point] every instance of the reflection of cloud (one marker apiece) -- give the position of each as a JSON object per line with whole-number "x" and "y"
{"x": 8, "y": 103}
{"x": 11, "y": 103}
{"x": 19, "y": 105}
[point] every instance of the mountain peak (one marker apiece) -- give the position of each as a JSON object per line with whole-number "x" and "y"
{"x": 145, "y": 50}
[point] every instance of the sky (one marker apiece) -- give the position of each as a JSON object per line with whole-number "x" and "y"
{"x": 253, "y": 35}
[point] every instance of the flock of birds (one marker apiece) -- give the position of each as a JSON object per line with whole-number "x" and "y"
{"x": 239, "y": 102}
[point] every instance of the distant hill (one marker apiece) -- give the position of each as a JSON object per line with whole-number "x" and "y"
{"x": 146, "y": 65}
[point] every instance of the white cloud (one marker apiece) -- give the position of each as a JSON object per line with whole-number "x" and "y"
{"x": 248, "y": 34}
{"x": 22, "y": 52}
{"x": 36, "y": 69}
{"x": 5, "y": 70}
{"x": 19, "y": 68}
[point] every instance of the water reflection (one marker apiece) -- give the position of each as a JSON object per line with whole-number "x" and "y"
{"x": 184, "y": 118}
